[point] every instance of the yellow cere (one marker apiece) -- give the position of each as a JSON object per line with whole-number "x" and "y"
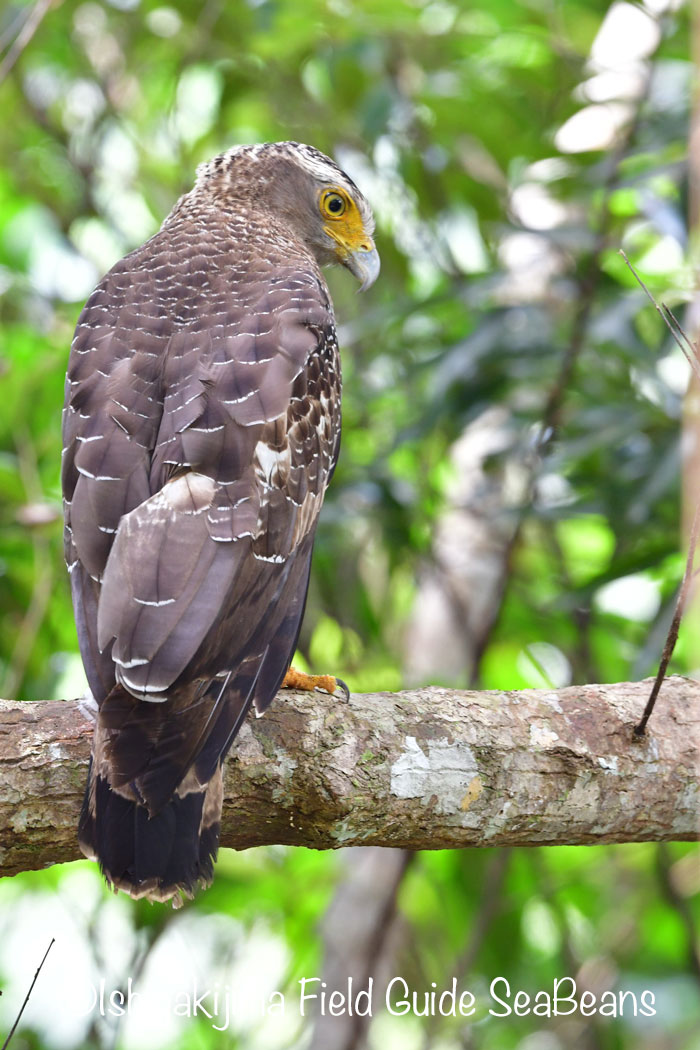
{"x": 344, "y": 224}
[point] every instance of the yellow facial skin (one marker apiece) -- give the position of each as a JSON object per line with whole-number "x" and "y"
{"x": 354, "y": 246}
{"x": 343, "y": 222}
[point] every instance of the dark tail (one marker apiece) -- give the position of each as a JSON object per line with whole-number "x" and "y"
{"x": 151, "y": 814}
{"x": 162, "y": 857}
{"x": 152, "y": 810}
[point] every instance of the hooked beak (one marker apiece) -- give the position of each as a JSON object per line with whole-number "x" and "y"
{"x": 364, "y": 264}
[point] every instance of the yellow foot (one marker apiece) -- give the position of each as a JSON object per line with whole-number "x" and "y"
{"x": 308, "y": 682}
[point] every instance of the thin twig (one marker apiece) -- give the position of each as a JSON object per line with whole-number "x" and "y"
{"x": 690, "y": 353}
{"x": 26, "y": 998}
{"x": 672, "y": 636}
{"x": 673, "y": 326}
{"x": 676, "y": 324}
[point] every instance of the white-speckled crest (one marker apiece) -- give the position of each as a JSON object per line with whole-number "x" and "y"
{"x": 321, "y": 168}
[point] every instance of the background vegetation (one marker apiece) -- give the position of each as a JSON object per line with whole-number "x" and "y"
{"x": 506, "y": 509}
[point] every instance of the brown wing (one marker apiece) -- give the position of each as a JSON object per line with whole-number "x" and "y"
{"x": 197, "y": 457}
{"x": 110, "y": 423}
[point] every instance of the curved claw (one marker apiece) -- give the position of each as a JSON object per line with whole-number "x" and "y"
{"x": 343, "y": 687}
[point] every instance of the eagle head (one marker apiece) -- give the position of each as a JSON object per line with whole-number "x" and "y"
{"x": 305, "y": 189}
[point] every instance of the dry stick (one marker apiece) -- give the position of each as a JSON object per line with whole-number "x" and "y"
{"x": 672, "y": 636}
{"x": 690, "y": 353}
{"x": 26, "y": 998}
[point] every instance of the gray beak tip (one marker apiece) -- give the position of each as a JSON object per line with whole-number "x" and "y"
{"x": 365, "y": 266}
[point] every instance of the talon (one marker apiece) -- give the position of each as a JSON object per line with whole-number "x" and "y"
{"x": 343, "y": 688}
{"x": 308, "y": 682}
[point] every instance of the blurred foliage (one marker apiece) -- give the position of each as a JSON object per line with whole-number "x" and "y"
{"x": 508, "y": 149}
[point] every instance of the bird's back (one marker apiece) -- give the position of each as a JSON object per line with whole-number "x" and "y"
{"x": 201, "y": 428}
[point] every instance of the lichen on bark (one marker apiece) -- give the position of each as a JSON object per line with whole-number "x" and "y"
{"x": 422, "y": 769}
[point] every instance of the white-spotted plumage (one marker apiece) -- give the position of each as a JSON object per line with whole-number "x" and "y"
{"x": 201, "y": 429}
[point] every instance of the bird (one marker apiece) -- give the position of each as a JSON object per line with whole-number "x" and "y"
{"x": 201, "y": 427}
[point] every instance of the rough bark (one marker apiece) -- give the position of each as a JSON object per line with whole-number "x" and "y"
{"x": 424, "y": 769}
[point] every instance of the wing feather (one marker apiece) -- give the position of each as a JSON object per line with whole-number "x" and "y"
{"x": 201, "y": 429}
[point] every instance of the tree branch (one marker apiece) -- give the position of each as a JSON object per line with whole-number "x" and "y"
{"x": 425, "y": 769}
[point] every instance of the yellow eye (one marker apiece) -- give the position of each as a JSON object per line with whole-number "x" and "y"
{"x": 333, "y": 205}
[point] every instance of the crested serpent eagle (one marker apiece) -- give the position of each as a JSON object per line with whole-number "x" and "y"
{"x": 201, "y": 427}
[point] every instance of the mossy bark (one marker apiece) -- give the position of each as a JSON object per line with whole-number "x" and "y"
{"x": 424, "y": 769}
